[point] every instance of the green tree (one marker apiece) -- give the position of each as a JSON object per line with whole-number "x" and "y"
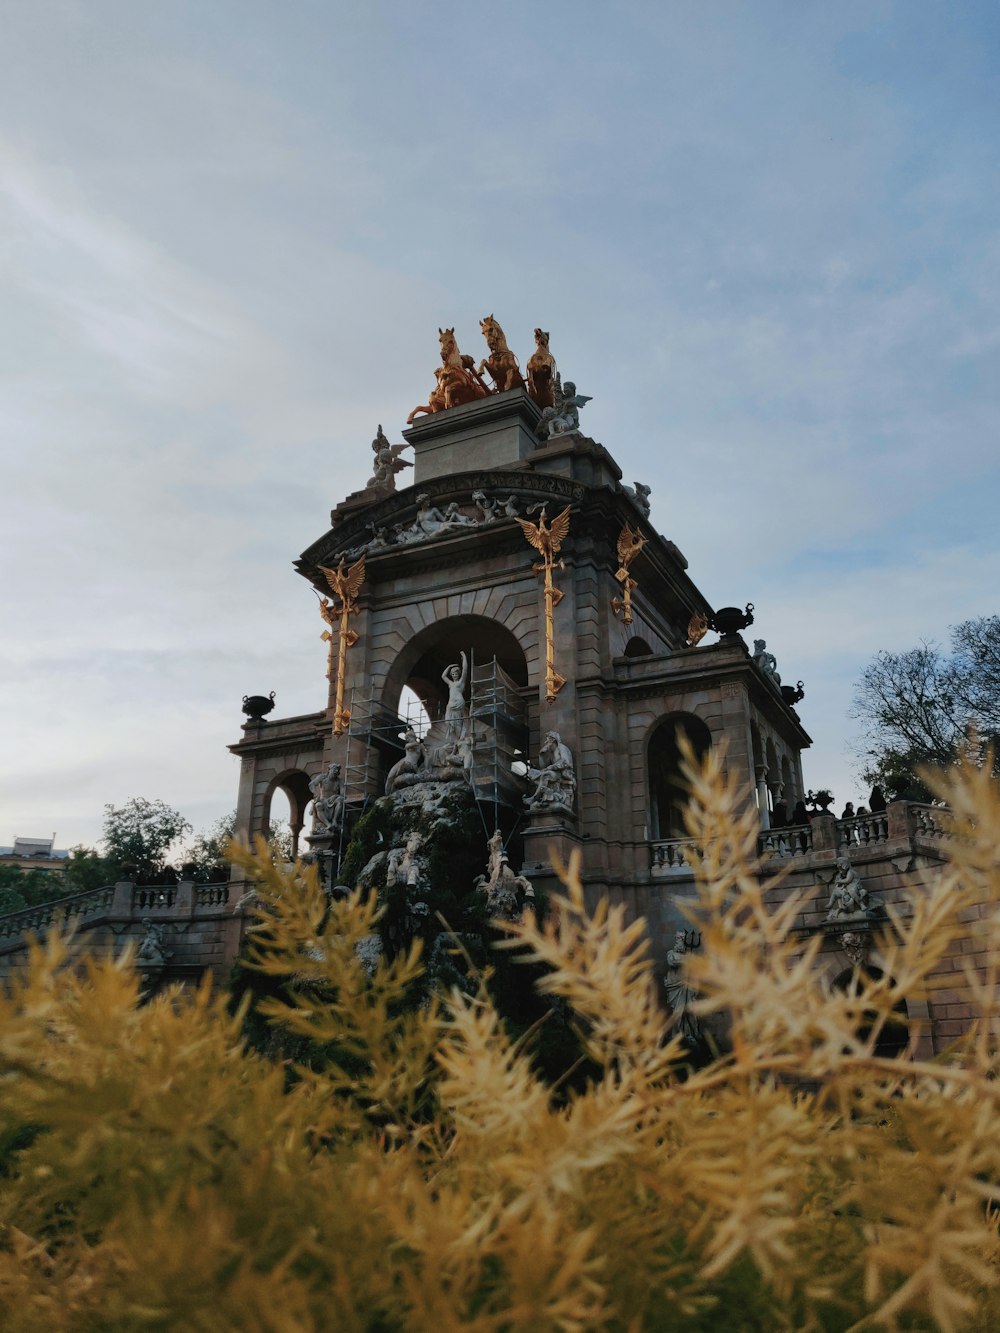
{"x": 917, "y": 705}
{"x": 30, "y": 888}
{"x": 87, "y": 869}
{"x": 140, "y": 833}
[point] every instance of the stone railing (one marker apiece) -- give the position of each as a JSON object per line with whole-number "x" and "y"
{"x": 147, "y": 898}
{"x": 796, "y": 840}
{"x": 212, "y": 895}
{"x": 863, "y": 830}
{"x": 64, "y": 909}
{"x": 670, "y": 857}
{"x": 928, "y": 821}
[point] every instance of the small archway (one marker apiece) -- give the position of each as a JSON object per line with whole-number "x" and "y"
{"x": 294, "y": 787}
{"x": 668, "y": 787}
{"x": 893, "y": 1039}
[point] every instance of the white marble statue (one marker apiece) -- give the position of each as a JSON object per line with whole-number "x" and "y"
{"x": 555, "y": 777}
{"x": 506, "y": 894}
{"x": 848, "y": 896}
{"x": 679, "y": 993}
{"x": 386, "y": 464}
{"x": 456, "y": 715}
{"x": 563, "y": 418}
{"x": 329, "y": 800}
{"x": 152, "y": 950}
{"x": 405, "y": 770}
{"x": 640, "y": 497}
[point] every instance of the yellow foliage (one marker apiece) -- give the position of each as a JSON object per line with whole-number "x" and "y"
{"x": 154, "y": 1174}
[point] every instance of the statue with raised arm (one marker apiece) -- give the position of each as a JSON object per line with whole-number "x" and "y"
{"x": 679, "y": 991}
{"x": 456, "y": 717}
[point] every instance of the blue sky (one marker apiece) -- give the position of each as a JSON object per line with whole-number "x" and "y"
{"x": 763, "y": 236}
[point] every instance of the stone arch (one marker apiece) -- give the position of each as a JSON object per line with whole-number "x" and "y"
{"x": 667, "y": 785}
{"x": 637, "y": 647}
{"x": 423, "y": 659}
{"x": 295, "y": 785}
{"x": 894, "y": 1038}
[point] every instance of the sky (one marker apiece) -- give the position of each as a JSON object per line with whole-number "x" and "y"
{"x": 764, "y": 237}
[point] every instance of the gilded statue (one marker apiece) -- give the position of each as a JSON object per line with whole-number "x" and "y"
{"x": 630, "y": 543}
{"x": 345, "y": 585}
{"x": 542, "y": 371}
{"x": 501, "y": 362}
{"x": 547, "y": 540}
{"x": 457, "y": 379}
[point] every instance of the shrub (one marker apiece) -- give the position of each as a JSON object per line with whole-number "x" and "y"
{"x": 157, "y": 1175}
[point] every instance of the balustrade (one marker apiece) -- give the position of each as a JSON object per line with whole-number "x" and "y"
{"x": 38, "y": 918}
{"x": 154, "y": 896}
{"x": 926, "y": 820}
{"x": 212, "y": 895}
{"x": 795, "y": 840}
{"x": 863, "y": 830}
{"x": 671, "y": 856}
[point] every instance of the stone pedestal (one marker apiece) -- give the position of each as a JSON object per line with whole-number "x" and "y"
{"x": 549, "y": 836}
{"x": 493, "y": 432}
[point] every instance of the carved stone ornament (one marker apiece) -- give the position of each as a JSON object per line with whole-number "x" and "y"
{"x": 563, "y": 417}
{"x": 767, "y": 662}
{"x": 387, "y": 463}
{"x": 680, "y": 994}
{"x": 506, "y": 894}
{"x": 849, "y": 899}
{"x": 639, "y": 495}
{"x": 554, "y": 778}
{"x": 329, "y": 801}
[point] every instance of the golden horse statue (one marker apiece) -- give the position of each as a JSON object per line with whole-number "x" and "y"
{"x": 501, "y": 362}
{"x": 457, "y": 381}
{"x": 542, "y": 371}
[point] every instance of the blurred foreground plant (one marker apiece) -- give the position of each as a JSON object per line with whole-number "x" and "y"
{"x": 156, "y": 1175}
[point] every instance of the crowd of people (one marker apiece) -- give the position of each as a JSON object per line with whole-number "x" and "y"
{"x": 801, "y": 814}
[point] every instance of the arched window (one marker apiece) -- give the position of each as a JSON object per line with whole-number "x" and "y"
{"x": 668, "y": 788}
{"x": 638, "y": 648}
{"x": 293, "y": 786}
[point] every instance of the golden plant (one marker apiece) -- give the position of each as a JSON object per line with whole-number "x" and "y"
{"x": 154, "y": 1174}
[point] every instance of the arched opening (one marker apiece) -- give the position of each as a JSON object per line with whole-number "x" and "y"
{"x": 638, "y": 648}
{"x": 893, "y": 1037}
{"x": 668, "y": 788}
{"x": 421, "y": 664}
{"x": 285, "y": 807}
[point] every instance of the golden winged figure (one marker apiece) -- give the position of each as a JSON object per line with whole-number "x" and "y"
{"x": 347, "y": 585}
{"x": 630, "y": 543}
{"x": 546, "y": 539}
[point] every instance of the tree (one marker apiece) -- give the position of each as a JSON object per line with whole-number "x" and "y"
{"x": 917, "y": 705}
{"x": 140, "y": 832}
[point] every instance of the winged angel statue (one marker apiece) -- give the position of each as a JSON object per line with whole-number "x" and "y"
{"x": 563, "y": 418}
{"x": 547, "y": 538}
{"x": 345, "y": 585}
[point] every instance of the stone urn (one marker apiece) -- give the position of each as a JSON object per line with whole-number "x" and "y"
{"x": 257, "y": 705}
{"x": 729, "y": 620}
{"x": 793, "y": 694}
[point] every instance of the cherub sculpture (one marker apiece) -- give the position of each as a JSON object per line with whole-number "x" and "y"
{"x": 848, "y": 896}
{"x": 563, "y": 417}
{"x": 387, "y": 463}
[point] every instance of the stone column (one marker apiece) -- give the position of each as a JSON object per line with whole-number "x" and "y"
{"x": 765, "y": 817}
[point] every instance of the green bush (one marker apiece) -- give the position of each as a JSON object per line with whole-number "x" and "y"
{"x": 158, "y": 1175}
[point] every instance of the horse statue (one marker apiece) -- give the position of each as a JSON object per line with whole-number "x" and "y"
{"x": 457, "y": 381}
{"x": 501, "y": 362}
{"x": 541, "y": 371}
